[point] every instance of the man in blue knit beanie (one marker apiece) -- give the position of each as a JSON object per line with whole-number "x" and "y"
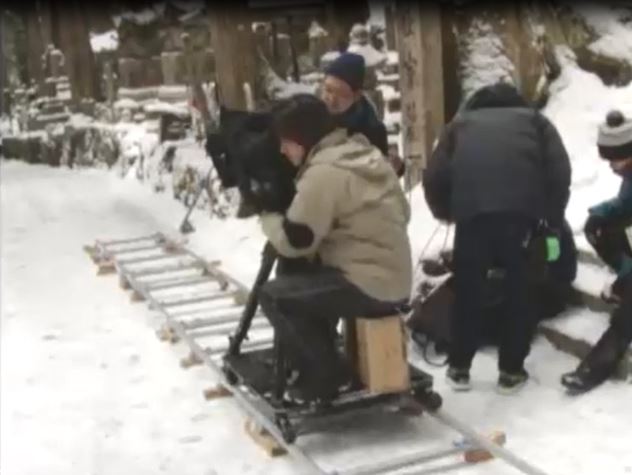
{"x": 342, "y": 92}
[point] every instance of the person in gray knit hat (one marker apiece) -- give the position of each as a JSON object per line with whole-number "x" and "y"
{"x": 607, "y": 229}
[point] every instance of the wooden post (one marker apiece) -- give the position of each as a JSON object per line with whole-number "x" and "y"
{"x": 195, "y": 84}
{"x": 341, "y": 16}
{"x": 235, "y": 60}
{"x": 35, "y": 46}
{"x": 110, "y": 89}
{"x": 46, "y": 22}
{"x": 421, "y": 82}
{"x": 391, "y": 25}
{"x": 74, "y": 41}
{"x": 450, "y": 50}
{"x": 4, "y": 75}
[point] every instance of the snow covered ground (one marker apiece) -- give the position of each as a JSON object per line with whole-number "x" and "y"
{"x": 88, "y": 389}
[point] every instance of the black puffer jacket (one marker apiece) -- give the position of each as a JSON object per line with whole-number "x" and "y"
{"x": 361, "y": 118}
{"x": 499, "y": 159}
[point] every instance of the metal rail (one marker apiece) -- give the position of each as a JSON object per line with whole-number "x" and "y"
{"x": 212, "y": 327}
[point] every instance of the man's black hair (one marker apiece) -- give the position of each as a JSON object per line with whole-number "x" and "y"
{"x": 496, "y": 95}
{"x": 303, "y": 118}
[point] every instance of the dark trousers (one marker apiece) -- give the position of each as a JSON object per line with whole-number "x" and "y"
{"x": 486, "y": 242}
{"x": 609, "y": 240}
{"x": 604, "y": 357}
{"x": 304, "y": 309}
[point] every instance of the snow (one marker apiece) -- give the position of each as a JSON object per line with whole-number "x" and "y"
{"x": 107, "y": 41}
{"x": 579, "y": 102}
{"x": 142, "y": 17}
{"x": 126, "y": 103}
{"x": 159, "y": 107}
{"x": 485, "y": 61}
{"x": 392, "y": 57}
{"x": 372, "y": 57}
{"x": 377, "y": 15}
{"x": 278, "y": 89}
{"x": 329, "y": 56}
{"x": 581, "y": 324}
{"x": 87, "y": 388}
{"x": 93, "y": 391}
{"x": 614, "y": 37}
{"x": 316, "y": 30}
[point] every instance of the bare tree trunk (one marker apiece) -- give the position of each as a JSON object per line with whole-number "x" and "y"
{"x": 421, "y": 80}
{"x": 235, "y": 53}
{"x": 74, "y": 39}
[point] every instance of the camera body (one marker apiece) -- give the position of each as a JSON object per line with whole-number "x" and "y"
{"x": 246, "y": 155}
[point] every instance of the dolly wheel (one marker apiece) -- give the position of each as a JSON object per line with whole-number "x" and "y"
{"x": 430, "y": 399}
{"x": 231, "y": 377}
{"x": 285, "y": 426}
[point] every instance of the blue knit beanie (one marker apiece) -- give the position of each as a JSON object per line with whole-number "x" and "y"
{"x": 348, "y": 67}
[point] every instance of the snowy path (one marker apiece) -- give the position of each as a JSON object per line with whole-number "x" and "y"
{"x": 88, "y": 389}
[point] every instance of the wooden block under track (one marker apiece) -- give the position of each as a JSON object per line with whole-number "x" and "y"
{"x": 216, "y": 392}
{"x": 166, "y": 333}
{"x": 263, "y": 439}
{"x": 137, "y": 297}
{"x": 190, "y": 361}
{"x": 106, "y": 267}
{"x": 124, "y": 283}
{"x": 483, "y": 455}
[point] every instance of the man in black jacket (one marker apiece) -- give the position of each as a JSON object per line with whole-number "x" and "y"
{"x": 342, "y": 93}
{"x": 498, "y": 170}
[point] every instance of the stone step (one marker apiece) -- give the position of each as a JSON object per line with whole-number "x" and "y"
{"x": 579, "y": 329}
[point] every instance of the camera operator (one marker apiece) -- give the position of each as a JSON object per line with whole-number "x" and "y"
{"x": 350, "y": 214}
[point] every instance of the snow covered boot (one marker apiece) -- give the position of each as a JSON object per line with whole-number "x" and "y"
{"x": 600, "y": 364}
{"x": 511, "y": 383}
{"x": 319, "y": 389}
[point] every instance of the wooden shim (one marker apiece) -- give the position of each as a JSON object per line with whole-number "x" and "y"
{"x": 189, "y": 361}
{"x": 216, "y": 392}
{"x": 106, "y": 267}
{"x": 124, "y": 282}
{"x": 263, "y": 439}
{"x": 167, "y": 334}
{"x": 136, "y": 296}
{"x": 482, "y": 455}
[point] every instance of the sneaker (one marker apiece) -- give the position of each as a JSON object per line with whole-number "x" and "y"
{"x": 511, "y": 383}
{"x": 580, "y": 381}
{"x": 458, "y": 379}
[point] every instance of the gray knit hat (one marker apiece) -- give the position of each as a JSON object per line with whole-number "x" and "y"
{"x": 615, "y": 137}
